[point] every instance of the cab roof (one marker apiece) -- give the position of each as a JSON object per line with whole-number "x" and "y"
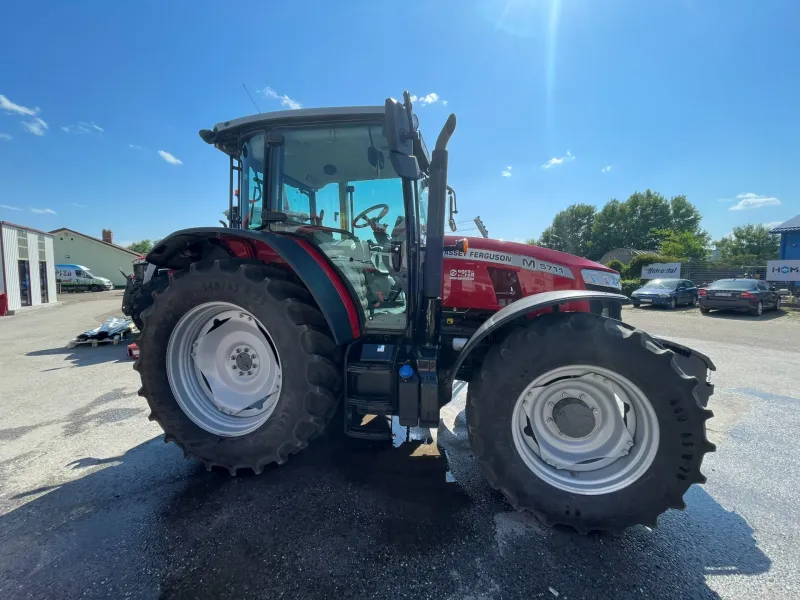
{"x": 225, "y": 135}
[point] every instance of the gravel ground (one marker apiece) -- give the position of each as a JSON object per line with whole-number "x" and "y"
{"x": 94, "y": 505}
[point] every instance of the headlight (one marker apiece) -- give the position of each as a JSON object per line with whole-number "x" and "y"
{"x": 603, "y": 278}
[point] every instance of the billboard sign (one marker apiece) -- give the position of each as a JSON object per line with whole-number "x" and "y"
{"x": 662, "y": 271}
{"x": 783, "y": 270}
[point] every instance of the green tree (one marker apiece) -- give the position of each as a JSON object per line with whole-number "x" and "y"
{"x": 749, "y": 242}
{"x": 682, "y": 244}
{"x": 645, "y": 213}
{"x": 684, "y": 215}
{"x": 532, "y": 242}
{"x": 571, "y": 230}
{"x": 142, "y": 246}
{"x": 608, "y": 229}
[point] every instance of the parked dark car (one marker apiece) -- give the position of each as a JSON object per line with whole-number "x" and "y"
{"x": 666, "y": 292}
{"x": 749, "y": 295}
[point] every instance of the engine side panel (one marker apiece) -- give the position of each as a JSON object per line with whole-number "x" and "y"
{"x": 490, "y": 280}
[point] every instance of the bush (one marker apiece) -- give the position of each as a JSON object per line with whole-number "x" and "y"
{"x": 616, "y": 265}
{"x": 629, "y": 285}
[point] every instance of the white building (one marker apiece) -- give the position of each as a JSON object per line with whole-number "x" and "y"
{"x": 28, "y": 273}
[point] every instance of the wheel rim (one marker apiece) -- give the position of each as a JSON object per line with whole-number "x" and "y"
{"x": 585, "y": 430}
{"x": 673, "y": 303}
{"x": 224, "y": 369}
{"x": 760, "y": 308}
{"x": 694, "y": 300}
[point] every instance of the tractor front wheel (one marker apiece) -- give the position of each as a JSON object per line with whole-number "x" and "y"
{"x": 237, "y": 364}
{"x": 586, "y": 422}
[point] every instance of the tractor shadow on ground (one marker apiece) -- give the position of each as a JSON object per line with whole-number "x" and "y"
{"x": 85, "y": 355}
{"x": 339, "y": 520}
{"x": 103, "y": 410}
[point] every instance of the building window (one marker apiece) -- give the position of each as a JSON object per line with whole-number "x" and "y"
{"x": 22, "y": 244}
{"x": 42, "y": 253}
{"x": 25, "y": 295}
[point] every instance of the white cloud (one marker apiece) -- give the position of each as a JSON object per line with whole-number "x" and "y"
{"x": 606, "y": 169}
{"x": 283, "y": 99}
{"x": 135, "y": 146}
{"x": 83, "y": 127}
{"x": 7, "y": 207}
{"x": 431, "y": 98}
{"x": 558, "y": 160}
{"x": 123, "y": 243}
{"x": 169, "y": 158}
{"x": 76, "y": 205}
{"x": 6, "y": 136}
{"x": 8, "y": 106}
{"x": 751, "y": 200}
{"x": 773, "y": 224}
{"x": 36, "y": 127}
{"x": 43, "y": 211}
{"x": 506, "y": 172}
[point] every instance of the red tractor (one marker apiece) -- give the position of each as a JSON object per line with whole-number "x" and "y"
{"x": 335, "y": 285}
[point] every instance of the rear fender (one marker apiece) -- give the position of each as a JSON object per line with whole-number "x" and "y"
{"x": 324, "y": 283}
{"x": 522, "y": 308}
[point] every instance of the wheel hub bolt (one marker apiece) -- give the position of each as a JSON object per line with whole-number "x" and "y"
{"x": 550, "y": 405}
{"x": 563, "y": 394}
{"x": 549, "y": 419}
{"x": 583, "y": 396}
{"x": 594, "y": 409}
{"x": 234, "y": 367}
{"x": 241, "y": 373}
{"x": 249, "y": 372}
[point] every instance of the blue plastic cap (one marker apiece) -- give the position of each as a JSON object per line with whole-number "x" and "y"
{"x": 406, "y": 371}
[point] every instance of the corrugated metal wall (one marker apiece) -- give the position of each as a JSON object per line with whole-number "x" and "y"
{"x": 10, "y": 257}
{"x": 33, "y": 261}
{"x": 51, "y": 268}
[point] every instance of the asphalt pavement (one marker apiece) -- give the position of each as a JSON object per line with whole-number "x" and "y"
{"x": 94, "y": 505}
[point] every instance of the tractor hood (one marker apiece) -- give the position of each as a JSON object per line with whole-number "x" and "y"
{"x": 505, "y": 251}
{"x": 494, "y": 273}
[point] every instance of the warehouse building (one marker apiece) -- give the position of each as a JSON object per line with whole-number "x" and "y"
{"x": 790, "y": 238}
{"x": 101, "y": 256}
{"x": 28, "y": 272}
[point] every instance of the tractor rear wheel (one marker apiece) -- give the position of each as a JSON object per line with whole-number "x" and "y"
{"x": 237, "y": 364}
{"x": 586, "y": 422}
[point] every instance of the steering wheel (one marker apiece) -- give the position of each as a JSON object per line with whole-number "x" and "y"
{"x": 363, "y": 215}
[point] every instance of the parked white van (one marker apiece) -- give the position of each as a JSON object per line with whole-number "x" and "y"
{"x": 74, "y": 278}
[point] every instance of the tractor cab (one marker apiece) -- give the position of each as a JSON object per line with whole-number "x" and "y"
{"x": 329, "y": 177}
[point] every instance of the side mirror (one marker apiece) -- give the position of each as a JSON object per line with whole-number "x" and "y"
{"x": 453, "y": 208}
{"x": 772, "y": 288}
{"x": 401, "y": 133}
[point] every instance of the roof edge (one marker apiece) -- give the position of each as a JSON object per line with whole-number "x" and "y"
{"x": 94, "y": 239}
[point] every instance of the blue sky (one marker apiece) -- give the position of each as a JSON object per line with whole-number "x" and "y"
{"x": 558, "y": 102}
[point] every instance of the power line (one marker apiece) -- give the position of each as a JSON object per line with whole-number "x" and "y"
{"x": 251, "y": 98}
